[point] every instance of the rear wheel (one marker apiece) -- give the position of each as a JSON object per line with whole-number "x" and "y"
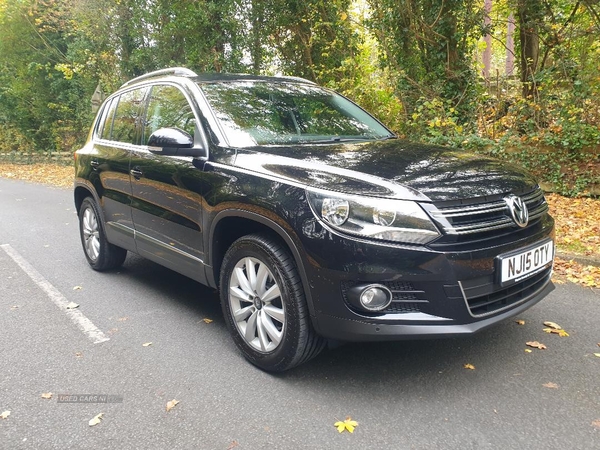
{"x": 264, "y": 305}
{"x": 100, "y": 254}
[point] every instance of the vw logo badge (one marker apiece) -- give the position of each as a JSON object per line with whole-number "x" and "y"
{"x": 518, "y": 210}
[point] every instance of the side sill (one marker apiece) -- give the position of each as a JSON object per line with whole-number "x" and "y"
{"x": 171, "y": 257}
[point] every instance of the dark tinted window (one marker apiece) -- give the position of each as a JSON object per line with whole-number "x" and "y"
{"x": 107, "y": 119}
{"x": 168, "y": 108}
{"x": 127, "y": 117}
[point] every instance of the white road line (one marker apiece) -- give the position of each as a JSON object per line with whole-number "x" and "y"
{"x": 82, "y": 322}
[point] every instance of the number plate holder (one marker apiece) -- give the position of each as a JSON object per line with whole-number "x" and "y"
{"x": 525, "y": 262}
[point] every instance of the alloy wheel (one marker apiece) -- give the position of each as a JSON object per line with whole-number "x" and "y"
{"x": 256, "y": 304}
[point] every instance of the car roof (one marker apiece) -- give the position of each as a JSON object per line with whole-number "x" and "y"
{"x": 210, "y": 77}
{"x": 216, "y": 77}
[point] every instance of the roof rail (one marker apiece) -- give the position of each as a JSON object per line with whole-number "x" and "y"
{"x": 289, "y": 77}
{"x": 181, "y": 71}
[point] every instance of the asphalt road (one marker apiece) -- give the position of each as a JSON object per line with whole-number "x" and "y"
{"x": 406, "y": 395}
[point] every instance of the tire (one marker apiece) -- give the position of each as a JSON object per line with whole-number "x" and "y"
{"x": 100, "y": 254}
{"x": 265, "y": 309}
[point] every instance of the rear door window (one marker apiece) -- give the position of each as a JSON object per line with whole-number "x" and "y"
{"x": 107, "y": 118}
{"x": 126, "y": 126}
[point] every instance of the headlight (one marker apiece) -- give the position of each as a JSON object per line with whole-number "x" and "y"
{"x": 374, "y": 218}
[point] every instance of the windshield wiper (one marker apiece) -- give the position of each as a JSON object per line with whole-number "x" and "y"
{"x": 334, "y": 139}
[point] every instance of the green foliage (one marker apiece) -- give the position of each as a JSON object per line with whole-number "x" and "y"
{"x": 412, "y": 63}
{"x": 428, "y": 46}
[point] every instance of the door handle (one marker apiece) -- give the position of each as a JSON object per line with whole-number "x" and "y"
{"x": 95, "y": 164}
{"x": 136, "y": 173}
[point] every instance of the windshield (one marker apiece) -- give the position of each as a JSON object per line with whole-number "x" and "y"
{"x": 273, "y": 113}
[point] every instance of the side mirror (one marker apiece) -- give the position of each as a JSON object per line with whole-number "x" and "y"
{"x": 173, "y": 142}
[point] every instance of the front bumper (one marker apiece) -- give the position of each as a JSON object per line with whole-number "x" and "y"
{"x": 355, "y": 330}
{"x": 436, "y": 293}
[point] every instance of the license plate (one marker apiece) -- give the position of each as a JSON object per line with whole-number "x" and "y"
{"x": 524, "y": 263}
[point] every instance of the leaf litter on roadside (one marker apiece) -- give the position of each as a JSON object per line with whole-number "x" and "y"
{"x": 346, "y": 425}
{"x": 172, "y": 404}
{"x": 469, "y": 366}
{"x": 588, "y": 276}
{"x": 555, "y": 328}
{"x": 47, "y": 395}
{"x": 96, "y": 420}
{"x": 536, "y": 344}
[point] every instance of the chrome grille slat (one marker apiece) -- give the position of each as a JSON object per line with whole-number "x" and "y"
{"x": 485, "y": 217}
{"x": 468, "y": 211}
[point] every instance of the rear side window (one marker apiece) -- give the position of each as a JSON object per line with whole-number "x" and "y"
{"x": 126, "y": 125}
{"x": 107, "y": 118}
{"x": 168, "y": 108}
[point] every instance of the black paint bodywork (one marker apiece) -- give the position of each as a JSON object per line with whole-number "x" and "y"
{"x": 183, "y": 212}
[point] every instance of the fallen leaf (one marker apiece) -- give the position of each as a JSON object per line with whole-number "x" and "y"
{"x": 536, "y": 344}
{"x": 77, "y": 288}
{"x": 347, "y": 424}
{"x": 15, "y": 307}
{"x": 72, "y": 305}
{"x": 96, "y": 420}
{"x": 47, "y": 395}
{"x": 206, "y": 320}
{"x": 147, "y": 344}
{"x": 5, "y": 415}
{"x": 550, "y": 385}
{"x": 528, "y": 350}
{"x": 560, "y": 332}
{"x": 469, "y": 366}
{"x": 520, "y": 322}
{"x": 171, "y": 404}
{"x": 78, "y": 354}
{"x": 233, "y": 445}
{"x": 553, "y": 325}
{"x": 597, "y": 354}
{"x": 596, "y": 423}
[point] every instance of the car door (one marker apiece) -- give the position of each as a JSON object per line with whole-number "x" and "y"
{"x": 167, "y": 190}
{"x": 118, "y": 132}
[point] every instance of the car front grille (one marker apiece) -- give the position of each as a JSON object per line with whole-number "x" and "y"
{"x": 481, "y": 219}
{"x": 484, "y": 298}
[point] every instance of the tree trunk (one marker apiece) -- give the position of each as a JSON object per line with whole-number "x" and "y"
{"x": 530, "y": 45}
{"x": 487, "y": 53}
{"x": 510, "y": 46}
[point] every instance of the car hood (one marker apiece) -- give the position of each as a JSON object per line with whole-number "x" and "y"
{"x": 393, "y": 169}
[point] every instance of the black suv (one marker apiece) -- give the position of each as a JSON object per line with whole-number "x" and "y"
{"x": 313, "y": 220}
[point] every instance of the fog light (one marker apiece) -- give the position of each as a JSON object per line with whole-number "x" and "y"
{"x": 371, "y": 297}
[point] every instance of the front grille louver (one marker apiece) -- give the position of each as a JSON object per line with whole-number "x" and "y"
{"x": 487, "y": 216}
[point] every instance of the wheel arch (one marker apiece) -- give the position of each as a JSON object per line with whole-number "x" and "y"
{"x": 230, "y": 225}
{"x": 80, "y": 193}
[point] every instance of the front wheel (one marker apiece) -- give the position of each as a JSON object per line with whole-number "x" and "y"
{"x": 264, "y": 306}
{"x": 100, "y": 254}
